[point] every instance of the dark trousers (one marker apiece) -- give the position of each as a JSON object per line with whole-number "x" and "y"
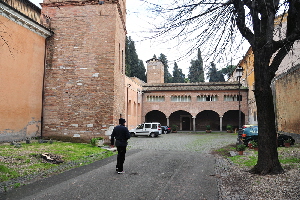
{"x": 121, "y": 157}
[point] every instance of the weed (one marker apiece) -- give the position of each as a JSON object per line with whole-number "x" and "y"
{"x": 95, "y": 140}
{"x": 16, "y": 185}
{"x": 7, "y": 173}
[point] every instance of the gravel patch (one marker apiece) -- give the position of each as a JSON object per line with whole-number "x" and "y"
{"x": 236, "y": 183}
{"x": 203, "y": 143}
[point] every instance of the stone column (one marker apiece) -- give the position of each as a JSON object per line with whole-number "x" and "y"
{"x": 168, "y": 122}
{"x": 194, "y": 124}
{"x": 221, "y": 117}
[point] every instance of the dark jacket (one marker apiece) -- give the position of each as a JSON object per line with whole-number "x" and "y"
{"x": 121, "y": 134}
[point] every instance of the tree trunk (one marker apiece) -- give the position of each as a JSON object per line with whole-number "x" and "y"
{"x": 268, "y": 162}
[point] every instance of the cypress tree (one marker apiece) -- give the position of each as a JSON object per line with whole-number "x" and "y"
{"x": 178, "y": 76}
{"x": 214, "y": 75}
{"x": 134, "y": 67}
{"x": 196, "y": 72}
{"x": 167, "y": 75}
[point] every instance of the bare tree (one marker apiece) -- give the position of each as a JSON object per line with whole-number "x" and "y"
{"x": 215, "y": 24}
{"x": 4, "y": 39}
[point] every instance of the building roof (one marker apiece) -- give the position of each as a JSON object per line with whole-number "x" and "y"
{"x": 204, "y": 86}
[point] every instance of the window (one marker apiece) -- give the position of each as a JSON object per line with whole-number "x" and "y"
{"x": 155, "y": 98}
{"x": 232, "y": 97}
{"x": 154, "y": 126}
{"x": 181, "y": 98}
{"x": 239, "y": 98}
{"x": 207, "y": 98}
{"x": 147, "y": 125}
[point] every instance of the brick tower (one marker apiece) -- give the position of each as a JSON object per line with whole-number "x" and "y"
{"x": 84, "y": 76}
{"x": 155, "y": 71}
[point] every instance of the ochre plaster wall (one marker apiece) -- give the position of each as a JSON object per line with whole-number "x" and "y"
{"x": 22, "y": 67}
{"x": 287, "y": 88}
{"x": 133, "y": 95}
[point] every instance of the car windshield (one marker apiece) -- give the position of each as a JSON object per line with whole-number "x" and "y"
{"x": 140, "y": 126}
{"x": 253, "y": 129}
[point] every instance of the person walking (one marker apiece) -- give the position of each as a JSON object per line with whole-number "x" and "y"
{"x": 121, "y": 134}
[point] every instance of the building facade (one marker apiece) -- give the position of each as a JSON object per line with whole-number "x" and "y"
{"x": 22, "y": 53}
{"x": 85, "y": 66}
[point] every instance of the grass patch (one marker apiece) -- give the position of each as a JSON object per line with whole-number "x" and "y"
{"x": 7, "y": 173}
{"x": 26, "y": 160}
{"x": 288, "y": 157}
{"x": 289, "y": 160}
{"x": 224, "y": 151}
{"x": 244, "y": 161}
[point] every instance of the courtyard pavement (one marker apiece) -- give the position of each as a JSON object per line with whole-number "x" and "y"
{"x": 172, "y": 166}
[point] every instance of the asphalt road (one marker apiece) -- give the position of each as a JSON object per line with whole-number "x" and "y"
{"x": 167, "y": 170}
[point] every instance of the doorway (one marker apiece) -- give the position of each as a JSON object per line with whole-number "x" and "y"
{"x": 186, "y": 123}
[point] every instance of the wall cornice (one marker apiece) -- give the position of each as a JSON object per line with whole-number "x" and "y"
{"x": 192, "y": 86}
{"x": 21, "y": 19}
{"x": 60, "y": 3}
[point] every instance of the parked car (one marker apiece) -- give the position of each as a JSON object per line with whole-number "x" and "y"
{"x": 152, "y": 129}
{"x": 248, "y": 125}
{"x": 165, "y": 129}
{"x": 281, "y": 138}
{"x": 250, "y": 133}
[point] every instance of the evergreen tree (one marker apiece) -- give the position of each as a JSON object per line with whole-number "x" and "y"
{"x": 167, "y": 75}
{"x": 142, "y": 71}
{"x": 178, "y": 76}
{"x": 196, "y": 72}
{"x": 227, "y": 71}
{"x": 214, "y": 75}
{"x": 128, "y": 56}
{"x": 134, "y": 67}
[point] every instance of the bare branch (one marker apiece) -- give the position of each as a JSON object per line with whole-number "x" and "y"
{"x": 241, "y": 21}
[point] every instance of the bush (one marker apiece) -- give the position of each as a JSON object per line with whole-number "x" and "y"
{"x": 241, "y": 147}
{"x": 94, "y": 141}
{"x": 174, "y": 127}
{"x": 288, "y": 141}
{"x": 229, "y": 127}
{"x": 254, "y": 144}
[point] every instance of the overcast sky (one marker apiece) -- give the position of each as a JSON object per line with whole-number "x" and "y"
{"x": 141, "y": 22}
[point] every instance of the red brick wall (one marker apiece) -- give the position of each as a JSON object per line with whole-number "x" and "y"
{"x": 194, "y": 107}
{"x": 155, "y": 71}
{"x": 84, "y": 81}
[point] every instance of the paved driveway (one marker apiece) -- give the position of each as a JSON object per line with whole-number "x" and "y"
{"x": 172, "y": 166}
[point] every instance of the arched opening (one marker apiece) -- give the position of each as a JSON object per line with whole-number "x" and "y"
{"x": 156, "y": 116}
{"x": 207, "y": 117}
{"x": 231, "y": 117}
{"x": 182, "y": 120}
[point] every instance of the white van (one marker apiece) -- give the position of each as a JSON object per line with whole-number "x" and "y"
{"x": 152, "y": 129}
